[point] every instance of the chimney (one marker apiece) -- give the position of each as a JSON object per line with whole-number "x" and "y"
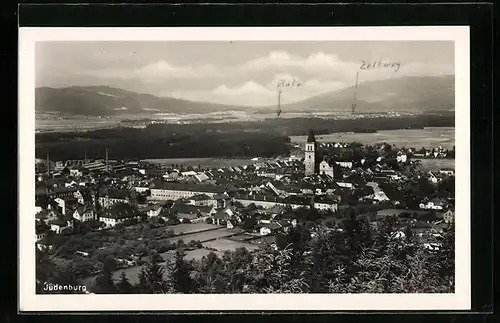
{"x": 107, "y": 164}
{"x": 48, "y": 166}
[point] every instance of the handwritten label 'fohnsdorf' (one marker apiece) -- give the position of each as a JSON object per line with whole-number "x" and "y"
{"x": 379, "y": 64}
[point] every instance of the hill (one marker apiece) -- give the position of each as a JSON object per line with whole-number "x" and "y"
{"x": 416, "y": 94}
{"x": 103, "y": 100}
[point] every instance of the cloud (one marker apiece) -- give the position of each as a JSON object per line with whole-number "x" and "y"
{"x": 248, "y": 94}
{"x": 253, "y": 82}
{"x": 255, "y": 94}
{"x": 157, "y": 71}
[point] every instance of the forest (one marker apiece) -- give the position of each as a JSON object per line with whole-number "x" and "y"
{"x": 267, "y": 138}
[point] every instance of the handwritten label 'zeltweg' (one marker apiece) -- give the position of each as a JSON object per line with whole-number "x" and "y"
{"x": 379, "y": 64}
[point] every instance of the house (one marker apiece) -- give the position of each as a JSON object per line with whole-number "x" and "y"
{"x": 47, "y": 243}
{"x": 191, "y": 212}
{"x": 77, "y": 171}
{"x": 325, "y": 168}
{"x": 401, "y": 157}
{"x": 154, "y": 210}
{"x": 141, "y": 188}
{"x": 201, "y": 200}
{"x": 61, "y": 225}
{"x": 436, "y": 204}
{"x": 326, "y": 204}
{"x": 221, "y": 200}
{"x": 201, "y": 177}
{"x": 84, "y": 197}
{"x": 41, "y": 230}
{"x": 378, "y": 194}
{"x": 118, "y": 213}
{"x": 270, "y": 228}
{"x": 66, "y": 204}
{"x": 345, "y": 185}
{"x": 84, "y": 212}
{"x": 449, "y": 216}
{"x": 432, "y": 178}
{"x": 447, "y": 171}
{"x": 220, "y": 217}
{"x": 114, "y": 197}
{"x": 345, "y": 164}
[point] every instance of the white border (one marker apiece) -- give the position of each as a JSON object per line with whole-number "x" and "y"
{"x": 29, "y": 301}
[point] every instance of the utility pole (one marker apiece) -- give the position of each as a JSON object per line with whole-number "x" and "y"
{"x": 353, "y": 111}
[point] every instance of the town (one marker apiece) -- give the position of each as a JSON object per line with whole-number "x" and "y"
{"x": 112, "y": 224}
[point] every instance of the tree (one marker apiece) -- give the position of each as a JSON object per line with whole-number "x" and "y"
{"x": 179, "y": 274}
{"x": 249, "y": 223}
{"x": 124, "y": 286}
{"x": 210, "y": 275}
{"x": 151, "y": 276}
{"x": 104, "y": 283}
{"x": 154, "y": 274}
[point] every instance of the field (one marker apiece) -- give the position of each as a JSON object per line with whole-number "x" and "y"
{"x": 436, "y": 164}
{"x": 231, "y": 245}
{"x": 206, "y": 235}
{"x": 428, "y": 137}
{"x": 133, "y": 272}
{"x": 186, "y": 228}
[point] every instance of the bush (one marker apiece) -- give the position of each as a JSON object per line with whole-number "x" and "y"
{"x": 209, "y": 221}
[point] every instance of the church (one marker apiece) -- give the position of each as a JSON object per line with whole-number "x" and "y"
{"x": 313, "y": 162}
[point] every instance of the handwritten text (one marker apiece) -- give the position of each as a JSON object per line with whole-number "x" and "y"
{"x": 281, "y": 84}
{"x": 379, "y": 64}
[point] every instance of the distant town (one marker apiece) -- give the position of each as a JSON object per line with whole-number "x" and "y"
{"x": 331, "y": 211}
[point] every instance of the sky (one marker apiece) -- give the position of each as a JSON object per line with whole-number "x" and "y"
{"x": 236, "y": 73}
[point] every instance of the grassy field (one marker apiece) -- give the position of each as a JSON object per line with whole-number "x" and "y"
{"x": 133, "y": 272}
{"x": 428, "y": 137}
{"x": 437, "y": 164}
{"x": 186, "y": 228}
{"x": 231, "y": 245}
{"x": 206, "y": 235}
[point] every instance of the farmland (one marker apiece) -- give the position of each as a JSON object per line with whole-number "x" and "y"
{"x": 226, "y": 244}
{"x": 212, "y": 237}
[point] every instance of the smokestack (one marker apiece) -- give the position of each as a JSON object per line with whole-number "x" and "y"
{"x": 48, "y": 166}
{"x": 107, "y": 164}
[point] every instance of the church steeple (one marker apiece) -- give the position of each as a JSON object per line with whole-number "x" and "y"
{"x": 310, "y": 137}
{"x": 310, "y": 154}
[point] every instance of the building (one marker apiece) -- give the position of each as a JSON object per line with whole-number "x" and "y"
{"x": 449, "y": 216}
{"x": 202, "y": 200}
{"x": 447, "y": 171}
{"x": 310, "y": 154}
{"x": 326, "y": 204}
{"x": 114, "y": 197}
{"x": 176, "y": 191}
{"x": 435, "y": 204}
{"x": 62, "y": 225}
{"x": 401, "y": 157}
{"x": 325, "y": 168}
{"x": 66, "y": 204}
{"x": 84, "y": 213}
{"x": 118, "y": 213}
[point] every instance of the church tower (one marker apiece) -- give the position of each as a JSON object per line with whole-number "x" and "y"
{"x": 310, "y": 154}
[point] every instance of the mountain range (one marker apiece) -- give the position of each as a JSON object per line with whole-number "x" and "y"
{"x": 417, "y": 94}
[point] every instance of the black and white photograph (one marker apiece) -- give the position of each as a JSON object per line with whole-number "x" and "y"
{"x": 314, "y": 168}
